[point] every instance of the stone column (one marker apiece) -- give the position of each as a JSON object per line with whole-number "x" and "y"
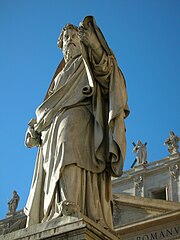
{"x": 138, "y": 185}
{"x": 174, "y": 183}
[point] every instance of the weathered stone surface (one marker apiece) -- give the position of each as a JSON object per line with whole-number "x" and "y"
{"x": 13, "y": 222}
{"x": 165, "y": 227}
{"x": 64, "y": 228}
{"x": 131, "y": 209}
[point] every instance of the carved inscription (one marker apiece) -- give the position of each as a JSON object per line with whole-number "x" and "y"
{"x": 167, "y": 233}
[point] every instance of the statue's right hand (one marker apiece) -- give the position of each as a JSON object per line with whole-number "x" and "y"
{"x": 32, "y": 138}
{"x": 88, "y": 36}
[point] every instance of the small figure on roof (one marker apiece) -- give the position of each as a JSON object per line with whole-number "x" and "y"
{"x": 173, "y": 143}
{"x": 141, "y": 153}
{"x": 13, "y": 203}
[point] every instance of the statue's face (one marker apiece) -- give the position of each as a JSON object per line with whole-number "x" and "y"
{"x": 71, "y": 44}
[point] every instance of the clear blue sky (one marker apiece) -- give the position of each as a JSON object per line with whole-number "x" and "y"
{"x": 145, "y": 37}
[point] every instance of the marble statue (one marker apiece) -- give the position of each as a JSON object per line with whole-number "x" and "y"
{"x": 79, "y": 130}
{"x": 13, "y": 203}
{"x": 141, "y": 152}
{"x": 173, "y": 143}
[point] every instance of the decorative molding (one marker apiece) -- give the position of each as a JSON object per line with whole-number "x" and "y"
{"x": 174, "y": 171}
{"x": 138, "y": 181}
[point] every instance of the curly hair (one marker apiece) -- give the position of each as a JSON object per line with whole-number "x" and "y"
{"x": 60, "y": 38}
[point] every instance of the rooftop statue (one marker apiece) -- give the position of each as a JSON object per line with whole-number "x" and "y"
{"x": 13, "y": 203}
{"x": 141, "y": 153}
{"x": 79, "y": 130}
{"x": 173, "y": 143}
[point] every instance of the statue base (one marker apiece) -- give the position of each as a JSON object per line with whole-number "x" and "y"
{"x": 66, "y": 227}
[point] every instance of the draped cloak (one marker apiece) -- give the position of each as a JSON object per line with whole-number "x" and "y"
{"x": 99, "y": 88}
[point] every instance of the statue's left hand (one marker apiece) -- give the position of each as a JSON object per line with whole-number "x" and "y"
{"x": 32, "y": 138}
{"x": 88, "y": 36}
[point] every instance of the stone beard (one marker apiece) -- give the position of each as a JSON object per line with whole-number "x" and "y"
{"x": 79, "y": 130}
{"x": 70, "y": 51}
{"x": 70, "y": 43}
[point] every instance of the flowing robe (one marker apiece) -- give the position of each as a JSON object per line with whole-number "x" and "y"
{"x": 83, "y": 140}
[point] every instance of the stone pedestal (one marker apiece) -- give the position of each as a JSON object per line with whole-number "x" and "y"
{"x": 13, "y": 222}
{"x": 63, "y": 228}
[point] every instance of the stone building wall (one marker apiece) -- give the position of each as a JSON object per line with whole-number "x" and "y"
{"x": 159, "y": 179}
